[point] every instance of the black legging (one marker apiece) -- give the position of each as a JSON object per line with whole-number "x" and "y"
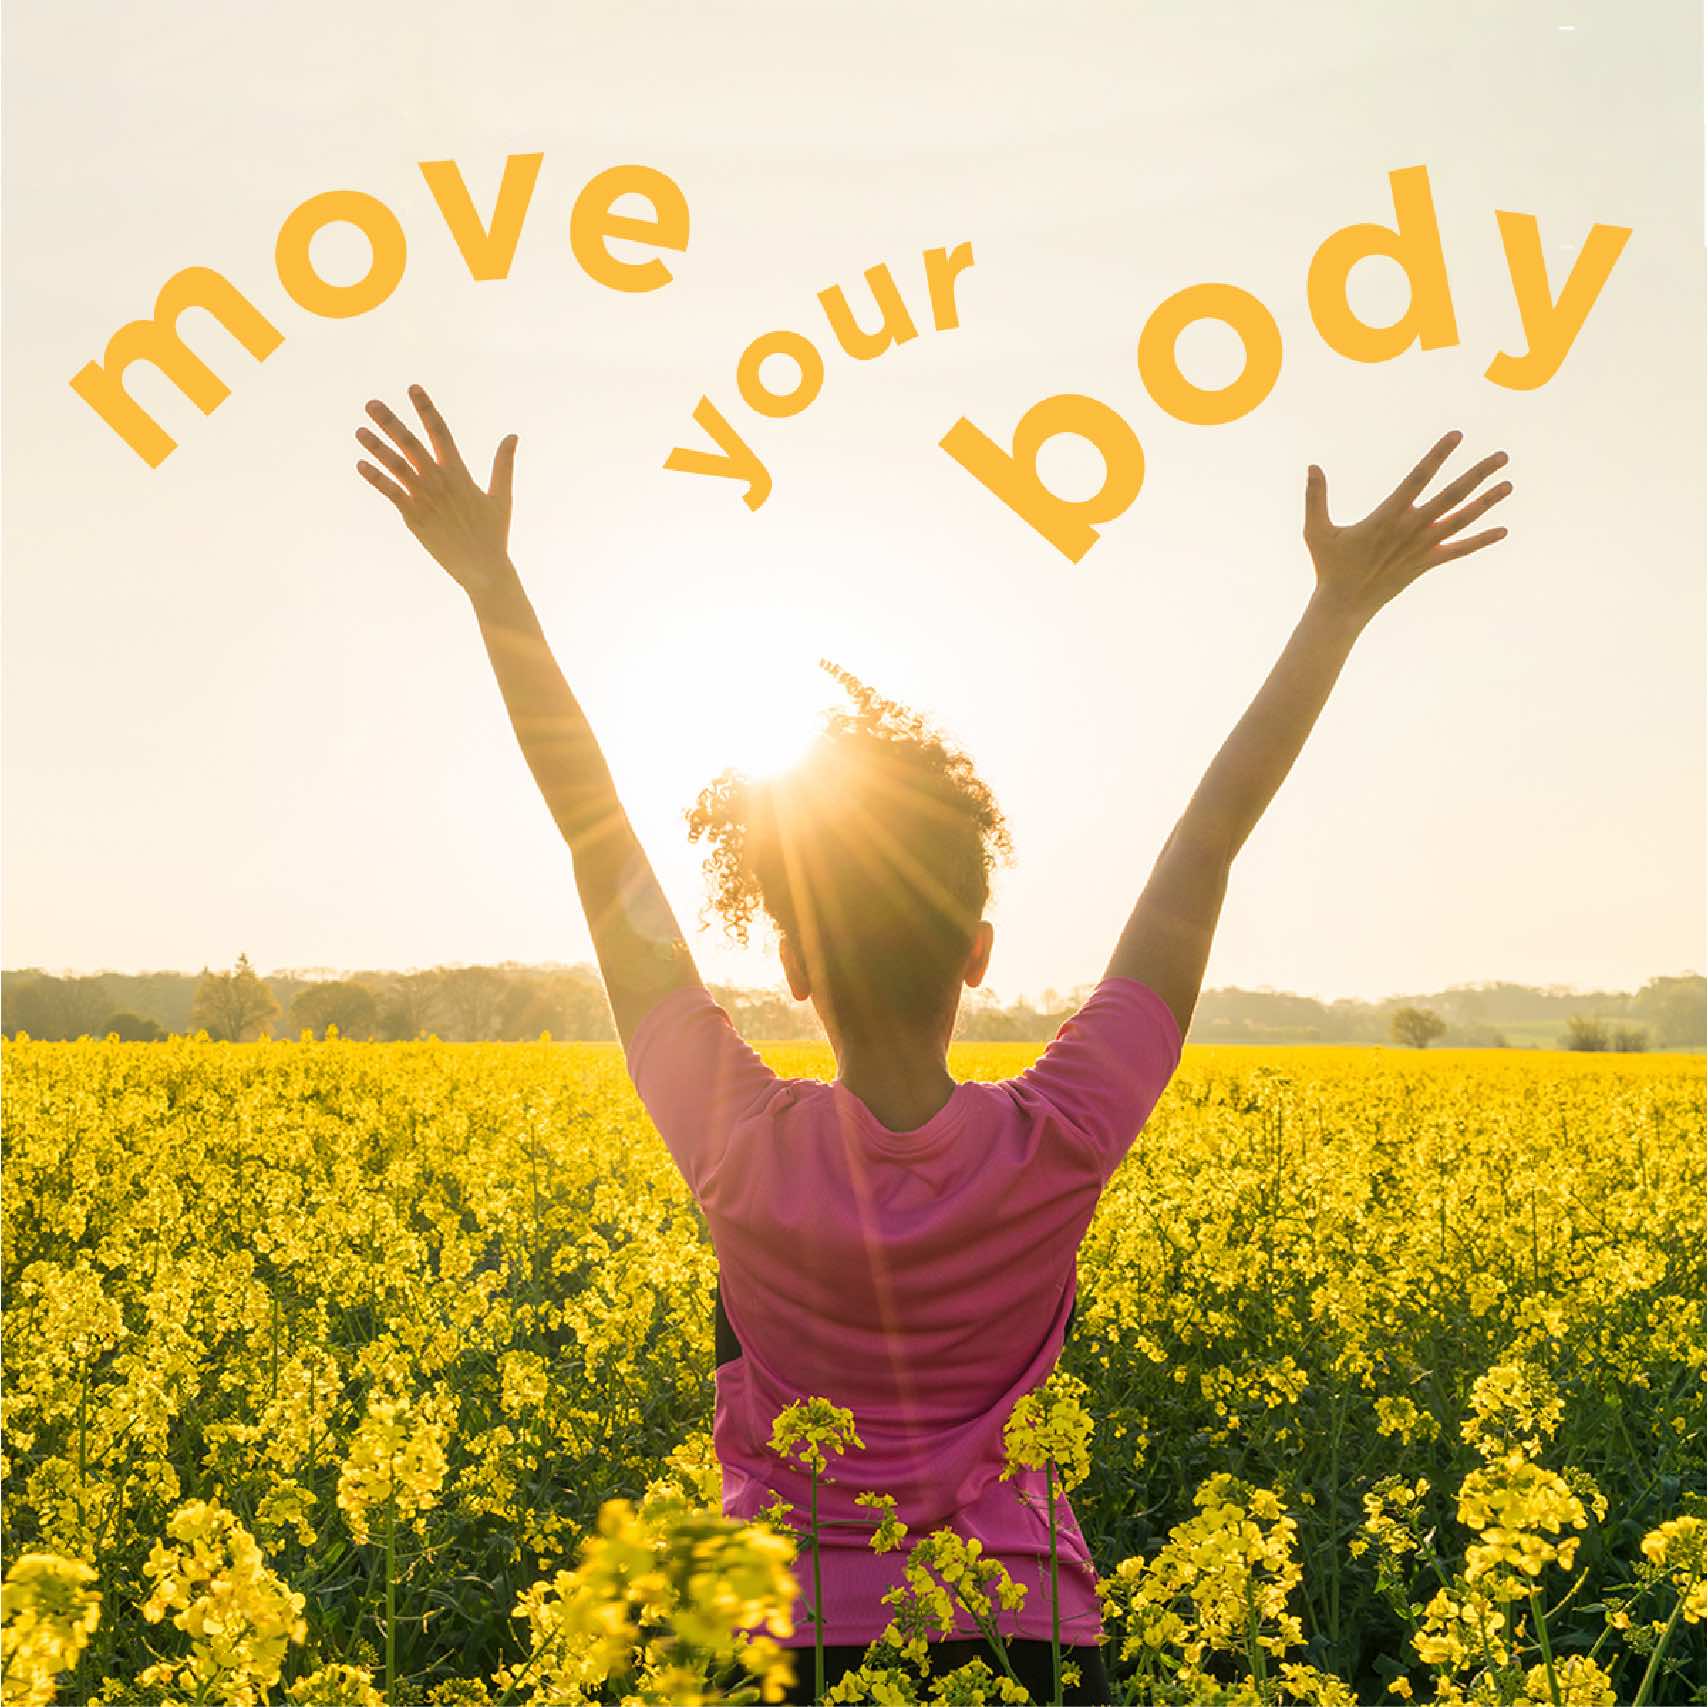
{"x": 1031, "y": 1662}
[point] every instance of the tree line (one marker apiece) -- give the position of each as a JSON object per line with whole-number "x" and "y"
{"x": 512, "y": 1002}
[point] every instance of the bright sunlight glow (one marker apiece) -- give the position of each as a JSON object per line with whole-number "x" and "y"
{"x": 768, "y": 709}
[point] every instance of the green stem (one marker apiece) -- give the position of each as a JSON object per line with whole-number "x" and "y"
{"x": 1055, "y": 1590}
{"x": 1655, "y": 1657}
{"x": 1547, "y": 1652}
{"x": 1253, "y": 1651}
{"x": 817, "y": 1600}
{"x": 520, "y": 1672}
{"x": 82, "y": 1445}
{"x": 1000, "y": 1643}
{"x": 1334, "y": 1525}
{"x": 391, "y": 1594}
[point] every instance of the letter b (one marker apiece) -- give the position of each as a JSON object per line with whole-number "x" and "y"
{"x": 1070, "y": 525}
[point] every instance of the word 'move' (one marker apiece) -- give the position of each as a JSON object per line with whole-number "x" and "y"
{"x": 488, "y": 249}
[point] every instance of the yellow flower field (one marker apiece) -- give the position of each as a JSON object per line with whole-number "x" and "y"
{"x": 331, "y": 1361}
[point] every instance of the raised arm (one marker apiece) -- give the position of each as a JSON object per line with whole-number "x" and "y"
{"x": 1358, "y": 570}
{"x": 641, "y": 951}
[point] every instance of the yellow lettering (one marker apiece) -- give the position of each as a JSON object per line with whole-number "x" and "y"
{"x": 801, "y": 351}
{"x": 737, "y": 462}
{"x": 374, "y": 220}
{"x": 1551, "y": 328}
{"x": 941, "y": 268}
{"x": 898, "y": 325}
{"x": 489, "y": 250}
{"x": 1069, "y": 525}
{"x": 1169, "y": 387}
{"x": 158, "y": 341}
{"x": 1416, "y": 245}
{"x": 591, "y": 222}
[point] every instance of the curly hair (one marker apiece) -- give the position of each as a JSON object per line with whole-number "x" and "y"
{"x": 873, "y": 856}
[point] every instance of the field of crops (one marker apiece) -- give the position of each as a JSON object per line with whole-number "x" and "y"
{"x": 323, "y": 1360}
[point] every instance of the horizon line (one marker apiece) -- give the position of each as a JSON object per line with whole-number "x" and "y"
{"x": 329, "y": 974}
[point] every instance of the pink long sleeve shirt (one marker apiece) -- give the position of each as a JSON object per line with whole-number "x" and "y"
{"x": 922, "y": 1279}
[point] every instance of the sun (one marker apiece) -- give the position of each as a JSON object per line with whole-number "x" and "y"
{"x": 767, "y": 706}
{"x": 748, "y": 697}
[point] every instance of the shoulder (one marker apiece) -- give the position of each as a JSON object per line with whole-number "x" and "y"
{"x": 1108, "y": 1064}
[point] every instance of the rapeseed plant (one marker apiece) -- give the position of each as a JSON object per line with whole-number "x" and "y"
{"x": 48, "y": 1611}
{"x": 1315, "y": 1277}
{"x": 240, "y": 1617}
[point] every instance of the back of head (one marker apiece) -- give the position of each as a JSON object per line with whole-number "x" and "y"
{"x": 872, "y": 857}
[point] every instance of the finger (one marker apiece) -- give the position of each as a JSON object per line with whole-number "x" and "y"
{"x": 444, "y": 446}
{"x": 1445, "y": 553}
{"x": 1316, "y": 499}
{"x": 1466, "y": 484}
{"x": 1450, "y": 525}
{"x": 387, "y": 457}
{"x": 401, "y": 436}
{"x": 1425, "y": 471}
{"x": 380, "y": 484}
{"x": 503, "y": 473}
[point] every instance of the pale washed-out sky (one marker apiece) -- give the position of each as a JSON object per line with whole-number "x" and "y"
{"x": 244, "y": 711}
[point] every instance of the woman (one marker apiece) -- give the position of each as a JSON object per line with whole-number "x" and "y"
{"x": 895, "y": 1242}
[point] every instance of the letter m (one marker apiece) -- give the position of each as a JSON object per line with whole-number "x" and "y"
{"x": 101, "y": 384}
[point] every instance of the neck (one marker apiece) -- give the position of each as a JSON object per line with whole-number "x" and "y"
{"x": 903, "y": 1082}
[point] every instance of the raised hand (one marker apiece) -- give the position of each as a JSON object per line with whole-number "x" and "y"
{"x": 466, "y": 530}
{"x": 1361, "y": 567}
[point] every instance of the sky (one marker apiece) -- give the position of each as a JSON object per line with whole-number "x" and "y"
{"x": 245, "y": 712}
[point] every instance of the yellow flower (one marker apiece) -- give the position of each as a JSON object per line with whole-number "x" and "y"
{"x": 1050, "y": 1425}
{"x": 1458, "y": 1628}
{"x": 698, "y": 1472}
{"x": 1517, "y": 1506}
{"x": 945, "y": 1572}
{"x": 811, "y": 1425}
{"x": 1397, "y": 1415}
{"x": 523, "y": 1381}
{"x": 336, "y": 1686}
{"x": 1679, "y": 1548}
{"x": 890, "y": 1531}
{"x": 699, "y": 1576}
{"x": 1220, "y": 1576}
{"x": 49, "y": 1612}
{"x": 886, "y": 1685}
{"x": 1513, "y": 1408}
{"x": 1581, "y": 1683}
{"x": 240, "y": 1617}
{"x": 395, "y": 1457}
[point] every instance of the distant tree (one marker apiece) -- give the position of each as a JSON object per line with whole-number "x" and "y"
{"x": 55, "y": 1009}
{"x": 585, "y": 1012}
{"x": 411, "y": 1005}
{"x": 1463, "y": 1008}
{"x": 350, "y": 1007}
{"x": 1416, "y": 1028}
{"x": 1676, "y": 1010}
{"x": 1475, "y": 1036}
{"x": 1629, "y": 1039}
{"x": 132, "y": 1028}
{"x": 528, "y": 1007}
{"x": 35, "y": 1006}
{"x": 86, "y": 1000}
{"x": 232, "y": 1005}
{"x": 473, "y": 996}
{"x": 1584, "y": 1032}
